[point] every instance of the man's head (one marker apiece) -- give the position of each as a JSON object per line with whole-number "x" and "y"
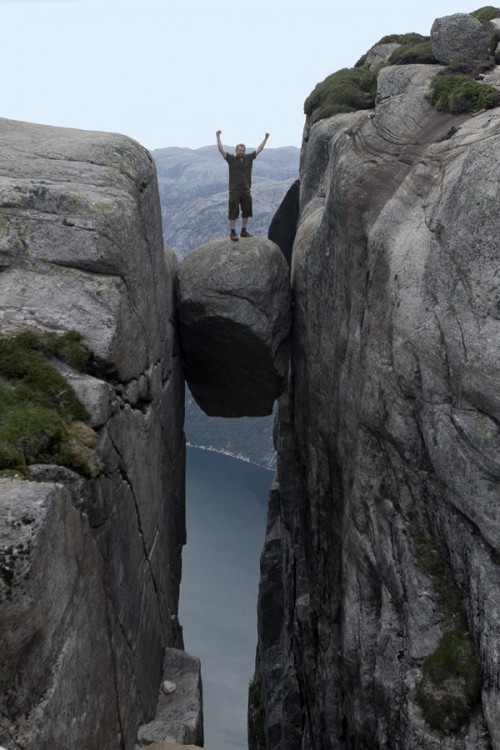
{"x": 240, "y": 149}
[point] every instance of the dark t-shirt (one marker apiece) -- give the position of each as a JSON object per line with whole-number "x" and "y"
{"x": 240, "y": 170}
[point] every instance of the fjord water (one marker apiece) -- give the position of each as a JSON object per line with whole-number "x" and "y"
{"x": 226, "y": 507}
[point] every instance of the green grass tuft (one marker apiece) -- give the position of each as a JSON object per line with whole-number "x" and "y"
{"x": 414, "y": 48}
{"x": 408, "y": 54}
{"x": 39, "y": 382}
{"x": 456, "y": 93}
{"x": 346, "y": 90}
{"x": 38, "y": 407}
{"x": 404, "y": 39}
{"x": 351, "y": 89}
{"x": 67, "y": 347}
{"x": 493, "y": 44}
{"x": 486, "y": 13}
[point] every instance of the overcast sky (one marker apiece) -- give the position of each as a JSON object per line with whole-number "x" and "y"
{"x": 172, "y": 72}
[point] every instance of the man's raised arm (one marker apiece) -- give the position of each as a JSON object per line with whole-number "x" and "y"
{"x": 259, "y": 149}
{"x": 219, "y": 144}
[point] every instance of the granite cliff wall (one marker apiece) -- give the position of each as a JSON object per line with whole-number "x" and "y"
{"x": 379, "y": 599}
{"x": 91, "y": 566}
{"x": 90, "y": 555}
{"x": 381, "y": 562}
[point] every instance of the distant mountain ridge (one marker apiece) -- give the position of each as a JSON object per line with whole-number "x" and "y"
{"x": 193, "y": 185}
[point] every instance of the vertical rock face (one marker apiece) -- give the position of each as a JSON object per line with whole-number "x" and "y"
{"x": 91, "y": 567}
{"x": 283, "y": 227}
{"x": 383, "y": 534}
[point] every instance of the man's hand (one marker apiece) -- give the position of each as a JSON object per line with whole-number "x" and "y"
{"x": 221, "y": 151}
{"x": 259, "y": 149}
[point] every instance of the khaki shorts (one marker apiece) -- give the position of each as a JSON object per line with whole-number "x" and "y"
{"x": 239, "y": 198}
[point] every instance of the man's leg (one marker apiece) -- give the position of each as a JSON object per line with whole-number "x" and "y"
{"x": 232, "y": 230}
{"x": 233, "y": 215}
{"x": 246, "y": 213}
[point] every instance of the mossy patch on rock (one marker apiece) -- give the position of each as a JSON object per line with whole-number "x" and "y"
{"x": 430, "y": 560}
{"x": 453, "y": 90}
{"x": 450, "y": 685}
{"x": 406, "y": 43}
{"x": 417, "y": 53}
{"x": 39, "y": 410}
{"x": 351, "y": 89}
{"x": 346, "y": 90}
{"x": 486, "y": 13}
{"x": 256, "y": 713}
{"x": 451, "y": 682}
{"x": 457, "y": 92}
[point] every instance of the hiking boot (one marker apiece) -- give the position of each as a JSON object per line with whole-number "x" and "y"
{"x": 244, "y": 233}
{"x": 234, "y": 236}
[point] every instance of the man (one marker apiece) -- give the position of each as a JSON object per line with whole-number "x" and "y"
{"x": 240, "y": 181}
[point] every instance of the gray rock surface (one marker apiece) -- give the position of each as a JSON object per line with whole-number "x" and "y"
{"x": 81, "y": 247}
{"x": 172, "y": 746}
{"x": 387, "y": 437}
{"x": 52, "y": 606}
{"x": 458, "y": 37}
{"x": 380, "y": 53}
{"x": 234, "y": 313}
{"x": 179, "y": 714}
{"x": 397, "y": 79}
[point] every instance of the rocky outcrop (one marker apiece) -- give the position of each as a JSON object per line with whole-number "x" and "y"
{"x": 383, "y": 542}
{"x": 459, "y": 37}
{"x": 380, "y": 54}
{"x": 234, "y": 314}
{"x": 393, "y": 79}
{"x": 179, "y": 710}
{"x": 91, "y": 567}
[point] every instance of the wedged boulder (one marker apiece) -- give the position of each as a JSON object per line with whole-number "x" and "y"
{"x": 235, "y": 311}
{"x": 458, "y": 37}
